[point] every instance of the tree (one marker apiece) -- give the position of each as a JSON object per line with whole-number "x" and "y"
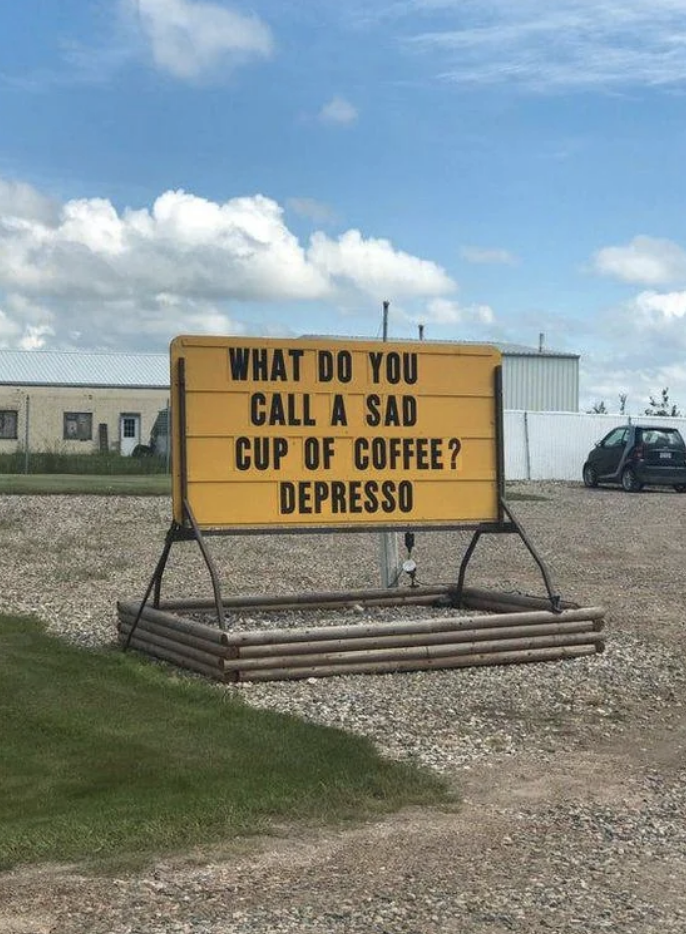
{"x": 622, "y": 403}
{"x": 598, "y": 408}
{"x": 663, "y": 406}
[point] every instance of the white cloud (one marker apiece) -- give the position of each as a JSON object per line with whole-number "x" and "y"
{"x": 185, "y": 245}
{"x": 376, "y": 267}
{"x": 645, "y": 260}
{"x": 644, "y": 341}
{"x": 338, "y": 111}
{"x": 23, "y": 324}
{"x": 21, "y": 201}
{"x": 313, "y": 210}
{"x": 35, "y": 338}
{"x": 189, "y": 38}
{"x": 487, "y": 256}
{"x": 660, "y": 309}
{"x": 448, "y": 311}
{"x": 606, "y": 377}
{"x": 91, "y": 275}
{"x": 568, "y": 44}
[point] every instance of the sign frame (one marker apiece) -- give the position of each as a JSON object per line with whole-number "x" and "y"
{"x": 185, "y": 527}
{"x": 494, "y": 517}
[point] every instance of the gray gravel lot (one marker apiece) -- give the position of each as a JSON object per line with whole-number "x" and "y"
{"x": 573, "y": 774}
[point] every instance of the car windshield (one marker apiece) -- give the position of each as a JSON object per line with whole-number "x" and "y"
{"x": 662, "y": 438}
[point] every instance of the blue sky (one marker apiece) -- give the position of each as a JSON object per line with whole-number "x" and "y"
{"x": 493, "y": 169}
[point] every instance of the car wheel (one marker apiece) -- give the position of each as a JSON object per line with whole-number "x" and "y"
{"x": 630, "y": 481}
{"x": 680, "y": 487}
{"x": 590, "y": 476}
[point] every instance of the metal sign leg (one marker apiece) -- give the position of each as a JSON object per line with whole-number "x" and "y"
{"x": 155, "y": 580}
{"x": 516, "y": 527}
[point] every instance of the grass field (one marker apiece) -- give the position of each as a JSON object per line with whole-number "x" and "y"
{"x": 106, "y": 757}
{"x": 122, "y": 485}
{"x": 97, "y": 484}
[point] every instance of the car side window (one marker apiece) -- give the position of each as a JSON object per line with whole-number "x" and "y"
{"x": 615, "y": 439}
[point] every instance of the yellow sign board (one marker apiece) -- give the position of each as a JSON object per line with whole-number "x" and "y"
{"x": 331, "y": 433}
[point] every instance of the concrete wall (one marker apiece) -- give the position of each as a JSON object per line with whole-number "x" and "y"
{"x": 47, "y": 406}
{"x": 554, "y": 445}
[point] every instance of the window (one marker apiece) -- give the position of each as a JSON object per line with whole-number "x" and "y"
{"x": 8, "y": 424}
{"x": 662, "y": 438}
{"x": 616, "y": 438}
{"x": 78, "y": 426}
{"x": 129, "y": 427}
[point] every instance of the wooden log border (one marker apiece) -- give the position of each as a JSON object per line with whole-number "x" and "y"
{"x": 517, "y": 630}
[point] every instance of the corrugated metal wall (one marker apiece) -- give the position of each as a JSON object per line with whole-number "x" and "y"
{"x": 554, "y": 445}
{"x": 541, "y": 383}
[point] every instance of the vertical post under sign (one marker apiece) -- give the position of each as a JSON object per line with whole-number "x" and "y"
{"x": 388, "y": 541}
{"x": 26, "y": 436}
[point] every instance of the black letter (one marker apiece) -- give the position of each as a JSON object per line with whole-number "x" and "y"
{"x": 339, "y": 415}
{"x": 370, "y": 488}
{"x": 242, "y": 458}
{"x": 286, "y": 498}
{"x": 373, "y": 416}
{"x": 405, "y": 496}
{"x": 409, "y": 410}
{"x": 257, "y": 417}
{"x": 375, "y": 360}
{"x": 325, "y": 366}
{"x": 296, "y": 356}
{"x": 410, "y": 367}
{"x": 238, "y": 362}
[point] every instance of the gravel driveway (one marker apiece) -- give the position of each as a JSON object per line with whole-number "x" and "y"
{"x": 572, "y": 774}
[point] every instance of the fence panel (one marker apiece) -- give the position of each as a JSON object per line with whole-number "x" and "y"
{"x": 554, "y": 445}
{"x": 516, "y": 455}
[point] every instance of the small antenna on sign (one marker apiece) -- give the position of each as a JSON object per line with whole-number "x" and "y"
{"x": 385, "y": 321}
{"x": 421, "y": 332}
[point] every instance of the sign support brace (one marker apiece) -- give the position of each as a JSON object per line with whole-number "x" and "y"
{"x": 513, "y": 526}
{"x": 181, "y": 533}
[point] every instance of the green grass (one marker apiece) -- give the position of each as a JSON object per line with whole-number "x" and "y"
{"x": 99, "y": 484}
{"x": 57, "y": 462}
{"x": 129, "y": 485}
{"x": 525, "y": 497}
{"x": 106, "y": 756}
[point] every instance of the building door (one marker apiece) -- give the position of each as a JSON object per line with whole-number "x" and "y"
{"x": 129, "y": 432}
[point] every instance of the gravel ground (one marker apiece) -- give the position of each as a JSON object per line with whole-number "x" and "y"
{"x": 572, "y": 774}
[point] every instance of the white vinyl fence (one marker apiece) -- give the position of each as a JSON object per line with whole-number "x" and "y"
{"x": 554, "y": 445}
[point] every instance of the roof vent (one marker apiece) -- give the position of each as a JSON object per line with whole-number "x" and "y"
{"x": 541, "y": 342}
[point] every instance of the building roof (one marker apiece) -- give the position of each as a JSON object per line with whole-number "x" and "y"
{"x": 76, "y": 368}
{"x": 148, "y": 370}
{"x": 521, "y": 350}
{"x": 506, "y": 348}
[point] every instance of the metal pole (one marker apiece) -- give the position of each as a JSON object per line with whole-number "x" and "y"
{"x": 388, "y": 541}
{"x": 26, "y": 436}
{"x": 168, "y": 450}
{"x": 527, "y": 448}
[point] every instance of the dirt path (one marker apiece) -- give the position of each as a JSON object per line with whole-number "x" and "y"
{"x": 583, "y": 842}
{"x": 573, "y": 779}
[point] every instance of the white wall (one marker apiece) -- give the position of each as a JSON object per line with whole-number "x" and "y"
{"x": 554, "y": 445}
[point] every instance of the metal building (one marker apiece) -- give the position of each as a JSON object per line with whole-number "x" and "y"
{"x": 539, "y": 380}
{"x": 534, "y": 379}
{"x": 83, "y": 402}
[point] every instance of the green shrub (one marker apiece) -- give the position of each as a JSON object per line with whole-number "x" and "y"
{"x": 57, "y": 462}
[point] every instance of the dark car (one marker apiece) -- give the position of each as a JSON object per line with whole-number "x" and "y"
{"x": 636, "y": 455}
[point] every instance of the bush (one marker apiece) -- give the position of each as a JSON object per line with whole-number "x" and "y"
{"x": 54, "y": 462}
